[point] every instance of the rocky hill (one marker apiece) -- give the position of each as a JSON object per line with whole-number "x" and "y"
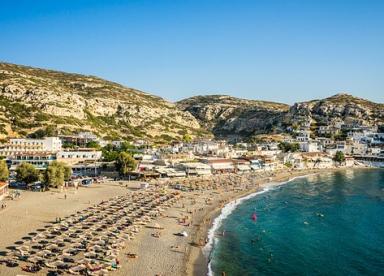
{"x": 229, "y": 117}
{"x": 37, "y": 102}
{"x": 33, "y": 99}
{"x": 342, "y": 107}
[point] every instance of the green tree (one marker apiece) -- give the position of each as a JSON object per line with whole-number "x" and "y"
{"x": 110, "y": 156}
{"x": 69, "y": 145}
{"x": 339, "y": 157}
{"x": 126, "y": 146}
{"x": 289, "y": 147}
{"x": 93, "y": 144}
{"x": 27, "y": 173}
{"x": 187, "y": 138}
{"x": 295, "y": 147}
{"x": 283, "y": 146}
{"x": 4, "y": 172}
{"x": 109, "y": 153}
{"x": 57, "y": 173}
{"x": 125, "y": 163}
{"x": 67, "y": 173}
{"x": 48, "y": 131}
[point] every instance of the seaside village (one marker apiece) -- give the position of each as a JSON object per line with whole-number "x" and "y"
{"x": 87, "y": 155}
{"x": 88, "y": 242}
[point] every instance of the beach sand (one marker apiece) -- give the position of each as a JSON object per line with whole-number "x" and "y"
{"x": 167, "y": 254}
{"x": 34, "y": 210}
{"x": 156, "y": 255}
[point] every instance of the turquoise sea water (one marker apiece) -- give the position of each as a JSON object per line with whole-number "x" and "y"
{"x": 326, "y": 224}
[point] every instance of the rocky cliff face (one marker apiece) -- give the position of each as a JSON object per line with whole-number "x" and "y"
{"x": 32, "y": 99}
{"x": 229, "y": 117}
{"x": 342, "y": 108}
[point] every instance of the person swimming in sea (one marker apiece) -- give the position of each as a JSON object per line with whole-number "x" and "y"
{"x": 319, "y": 214}
{"x": 258, "y": 238}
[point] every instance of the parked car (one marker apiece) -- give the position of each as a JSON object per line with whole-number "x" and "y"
{"x": 86, "y": 181}
{"x": 36, "y": 186}
{"x": 17, "y": 185}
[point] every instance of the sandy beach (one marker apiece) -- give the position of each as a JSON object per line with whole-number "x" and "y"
{"x": 34, "y": 210}
{"x": 159, "y": 251}
{"x": 197, "y": 263}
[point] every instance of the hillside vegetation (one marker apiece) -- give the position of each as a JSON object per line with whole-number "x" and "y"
{"x": 36, "y": 102}
{"x": 33, "y": 99}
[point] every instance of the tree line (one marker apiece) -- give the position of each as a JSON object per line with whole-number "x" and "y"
{"x": 54, "y": 176}
{"x": 58, "y": 172}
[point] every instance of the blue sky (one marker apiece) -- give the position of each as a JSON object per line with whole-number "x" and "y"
{"x": 278, "y": 50}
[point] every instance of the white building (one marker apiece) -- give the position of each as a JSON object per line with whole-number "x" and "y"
{"x": 317, "y": 160}
{"x": 3, "y": 190}
{"x": 27, "y": 145}
{"x": 374, "y": 150}
{"x": 219, "y": 165}
{"x": 72, "y": 157}
{"x": 256, "y": 164}
{"x": 40, "y": 160}
{"x": 325, "y": 130}
{"x": 303, "y": 136}
{"x": 358, "y": 148}
{"x": 324, "y": 142}
{"x": 206, "y": 147}
{"x": 373, "y": 138}
{"x": 236, "y": 153}
{"x": 341, "y": 146}
{"x": 311, "y": 147}
{"x": 88, "y": 135}
{"x": 117, "y": 143}
{"x": 196, "y": 168}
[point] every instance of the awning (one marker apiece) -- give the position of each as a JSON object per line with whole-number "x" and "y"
{"x": 176, "y": 174}
{"x": 222, "y": 166}
{"x": 203, "y": 172}
{"x": 243, "y": 167}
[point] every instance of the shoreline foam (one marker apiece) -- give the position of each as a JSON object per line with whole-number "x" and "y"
{"x": 228, "y": 209}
